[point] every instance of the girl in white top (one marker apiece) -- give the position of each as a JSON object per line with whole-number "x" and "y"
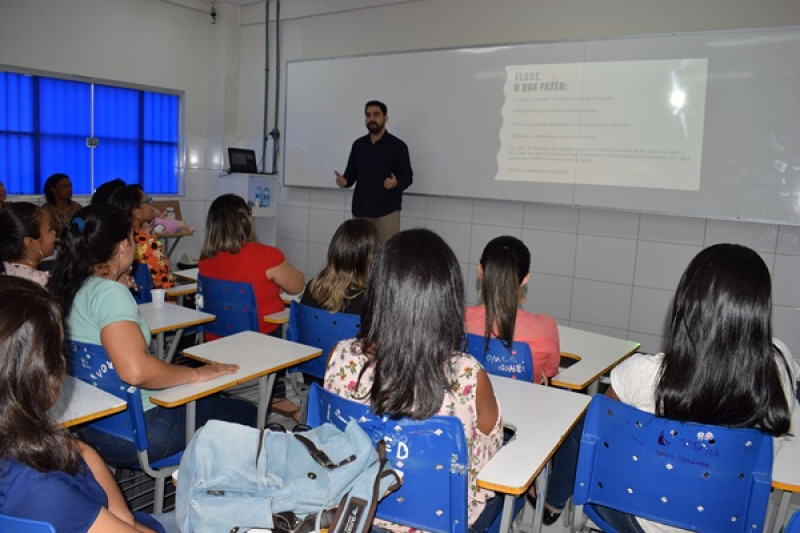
{"x": 721, "y": 365}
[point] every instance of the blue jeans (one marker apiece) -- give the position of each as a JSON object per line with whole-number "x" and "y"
{"x": 166, "y": 430}
{"x": 565, "y": 463}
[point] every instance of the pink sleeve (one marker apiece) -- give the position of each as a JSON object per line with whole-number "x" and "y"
{"x": 474, "y": 321}
{"x": 546, "y": 355}
{"x": 541, "y": 334}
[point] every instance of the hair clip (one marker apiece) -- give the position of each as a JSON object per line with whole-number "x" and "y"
{"x": 80, "y": 223}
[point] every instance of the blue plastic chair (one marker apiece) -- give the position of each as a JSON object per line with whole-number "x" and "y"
{"x": 11, "y": 524}
{"x": 693, "y": 476}
{"x": 90, "y": 363}
{"x": 321, "y": 329}
{"x": 431, "y": 453}
{"x": 144, "y": 283}
{"x": 793, "y": 526}
{"x": 514, "y": 363}
{"x": 232, "y": 302}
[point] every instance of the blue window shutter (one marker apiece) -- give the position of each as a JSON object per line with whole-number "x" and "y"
{"x": 116, "y": 126}
{"x": 44, "y": 124}
{"x": 16, "y": 133}
{"x": 160, "y": 142}
{"x": 64, "y": 117}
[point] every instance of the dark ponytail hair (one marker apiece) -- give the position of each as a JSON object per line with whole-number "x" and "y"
{"x": 505, "y": 261}
{"x": 17, "y": 221}
{"x": 32, "y": 367}
{"x": 90, "y": 240}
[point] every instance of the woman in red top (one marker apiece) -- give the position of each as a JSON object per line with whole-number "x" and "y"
{"x": 230, "y": 252}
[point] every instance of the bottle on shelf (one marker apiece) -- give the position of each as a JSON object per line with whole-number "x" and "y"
{"x": 264, "y": 198}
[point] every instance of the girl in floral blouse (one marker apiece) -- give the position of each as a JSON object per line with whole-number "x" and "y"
{"x": 407, "y": 360}
{"x": 149, "y": 249}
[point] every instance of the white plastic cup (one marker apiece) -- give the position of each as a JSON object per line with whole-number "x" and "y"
{"x": 158, "y": 297}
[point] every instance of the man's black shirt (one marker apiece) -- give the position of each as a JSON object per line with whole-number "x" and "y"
{"x": 369, "y": 165}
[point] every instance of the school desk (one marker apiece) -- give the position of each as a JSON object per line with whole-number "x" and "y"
{"x": 171, "y": 317}
{"x": 79, "y": 402}
{"x": 542, "y": 417}
{"x": 596, "y": 354}
{"x": 259, "y": 356}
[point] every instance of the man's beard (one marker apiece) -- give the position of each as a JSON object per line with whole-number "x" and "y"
{"x": 373, "y": 127}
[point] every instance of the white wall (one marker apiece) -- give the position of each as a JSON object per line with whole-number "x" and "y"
{"x": 606, "y": 271}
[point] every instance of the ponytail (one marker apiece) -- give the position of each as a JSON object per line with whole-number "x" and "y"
{"x": 505, "y": 262}
{"x": 90, "y": 239}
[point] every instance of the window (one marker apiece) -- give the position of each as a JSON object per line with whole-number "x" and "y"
{"x": 92, "y": 132}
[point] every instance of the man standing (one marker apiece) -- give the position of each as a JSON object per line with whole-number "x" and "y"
{"x": 380, "y": 167}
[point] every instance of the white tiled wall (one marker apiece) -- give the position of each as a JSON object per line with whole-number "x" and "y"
{"x": 605, "y": 271}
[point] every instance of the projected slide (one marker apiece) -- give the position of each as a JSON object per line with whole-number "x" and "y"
{"x": 621, "y": 123}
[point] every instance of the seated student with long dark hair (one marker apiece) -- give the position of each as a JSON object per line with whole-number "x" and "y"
{"x": 340, "y": 285}
{"x": 406, "y": 360}
{"x": 721, "y": 364}
{"x": 46, "y": 474}
{"x": 96, "y": 254}
{"x": 503, "y": 272}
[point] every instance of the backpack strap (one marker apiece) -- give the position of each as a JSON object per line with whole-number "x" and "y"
{"x": 356, "y": 510}
{"x": 320, "y": 456}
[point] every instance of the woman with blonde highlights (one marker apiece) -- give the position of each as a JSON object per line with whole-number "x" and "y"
{"x": 340, "y": 285}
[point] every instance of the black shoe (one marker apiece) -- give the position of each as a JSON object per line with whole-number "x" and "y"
{"x": 548, "y": 517}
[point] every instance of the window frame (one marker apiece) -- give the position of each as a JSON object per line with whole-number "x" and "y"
{"x": 39, "y": 178}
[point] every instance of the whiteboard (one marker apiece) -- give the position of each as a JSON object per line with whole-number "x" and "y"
{"x": 448, "y": 106}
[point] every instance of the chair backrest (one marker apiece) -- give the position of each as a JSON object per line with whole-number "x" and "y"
{"x": 11, "y": 524}
{"x": 432, "y": 455}
{"x": 793, "y": 526}
{"x": 693, "y": 476}
{"x": 232, "y": 302}
{"x": 514, "y": 363}
{"x": 90, "y": 363}
{"x": 321, "y": 329}
{"x": 144, "y": 283}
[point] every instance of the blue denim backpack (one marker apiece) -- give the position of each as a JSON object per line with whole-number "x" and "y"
{"x": 234, "y": 478}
